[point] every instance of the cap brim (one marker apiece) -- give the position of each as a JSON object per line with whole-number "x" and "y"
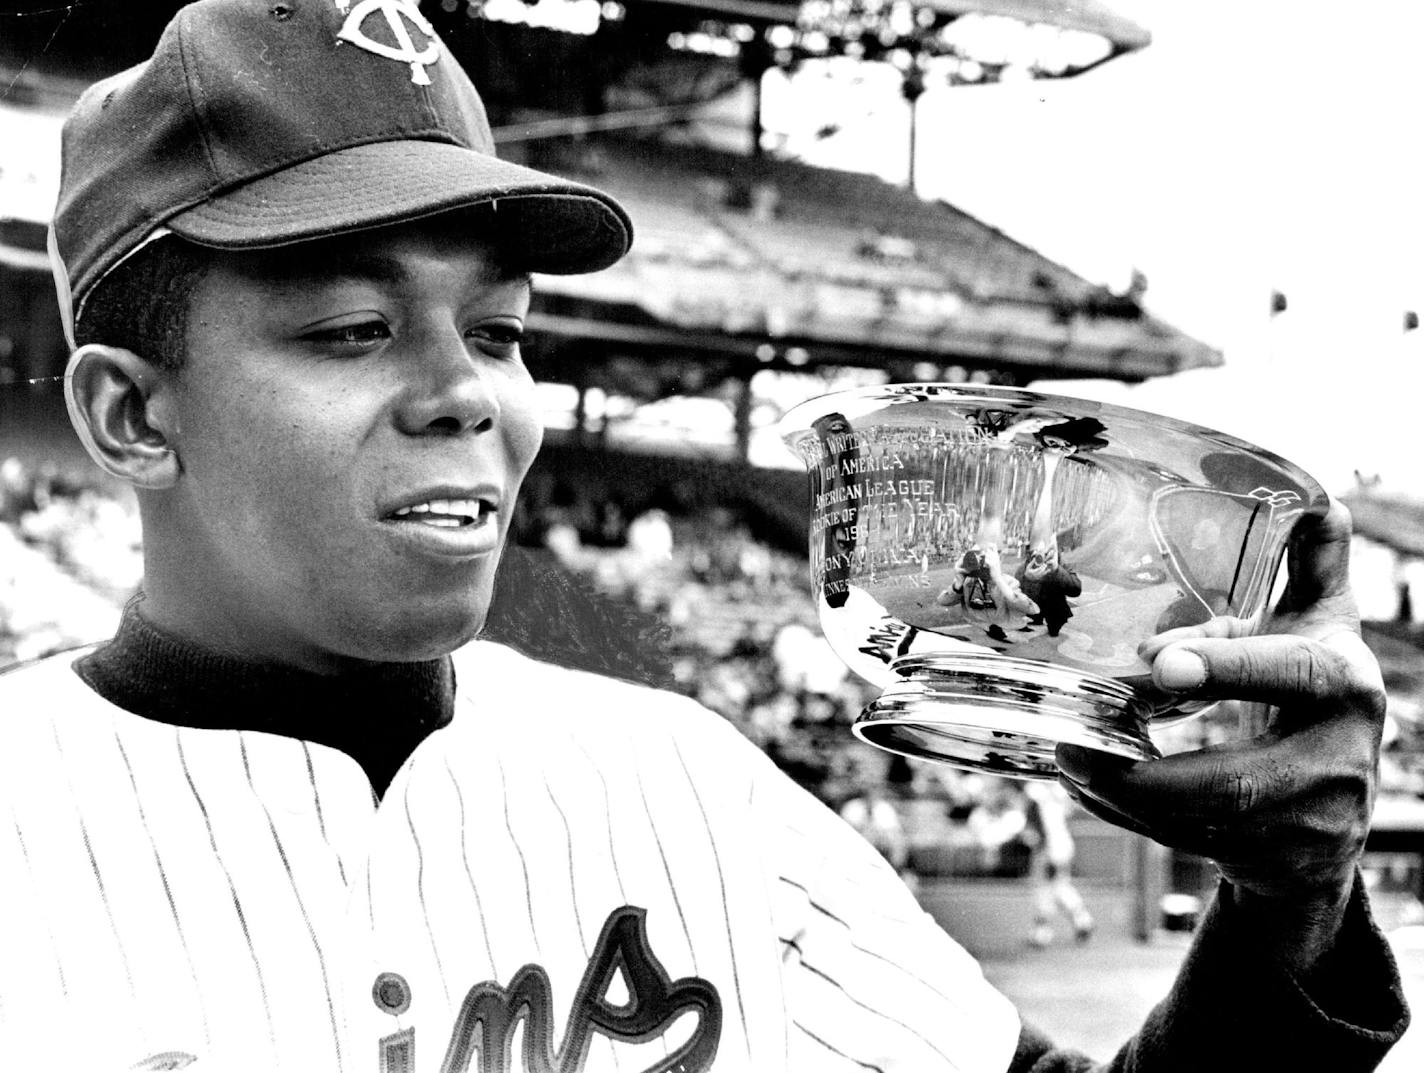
{"x": 541, "y": 222}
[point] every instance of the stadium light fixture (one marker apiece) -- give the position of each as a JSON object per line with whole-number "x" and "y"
{"x": 582, "y": 17}
{"x": 985, "y": 40}
{"x": 958, "y": 40}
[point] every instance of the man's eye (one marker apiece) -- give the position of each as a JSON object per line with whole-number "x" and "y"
{"x": 365, "y": 332}
{"x": 500, "y": 337}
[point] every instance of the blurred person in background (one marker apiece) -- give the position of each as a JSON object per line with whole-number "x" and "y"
{"x": 876, "y": 817}
{"x": 998, "y": 823}
{"x": 650, "y": 537}
{"x": 17, "y": 491}
{"x": 1051, "y": 853}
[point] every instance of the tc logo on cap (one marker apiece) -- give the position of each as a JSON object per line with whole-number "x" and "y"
{"x": 397, "y": 13}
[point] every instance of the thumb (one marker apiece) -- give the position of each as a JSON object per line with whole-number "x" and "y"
{"x": 1318, "y": 559}
{"x": 1278, "y": 669}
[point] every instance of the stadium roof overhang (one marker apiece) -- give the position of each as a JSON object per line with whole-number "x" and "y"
{"x": 1088, "y": 16}
{"x": 1396, "y": 521}
{"x": 22, "y": 245}
{"x": 923, "y": 29}
{"x": 570, "y": 344}
{"x": 741, "y": 264}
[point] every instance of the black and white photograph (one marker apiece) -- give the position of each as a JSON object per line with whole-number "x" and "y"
{"x": 711, "y": 536}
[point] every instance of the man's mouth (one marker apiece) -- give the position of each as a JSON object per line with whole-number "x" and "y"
{"x": 446, "y": 513}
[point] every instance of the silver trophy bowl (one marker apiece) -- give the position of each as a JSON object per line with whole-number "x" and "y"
{"x": 993, "y": 558}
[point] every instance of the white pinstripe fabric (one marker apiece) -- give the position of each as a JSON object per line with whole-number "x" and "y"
{"x": 233, "y": 896}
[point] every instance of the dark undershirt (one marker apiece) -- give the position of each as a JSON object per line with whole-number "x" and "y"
{"x": 376, "y": 713}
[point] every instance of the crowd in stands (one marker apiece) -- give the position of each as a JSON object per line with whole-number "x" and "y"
{"x": 69, "y": 557}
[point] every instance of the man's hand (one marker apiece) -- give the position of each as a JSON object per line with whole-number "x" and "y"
{"x": 1284, "y": 815}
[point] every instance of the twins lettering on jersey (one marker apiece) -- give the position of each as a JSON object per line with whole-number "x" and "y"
{"x": 486, "y": 1024}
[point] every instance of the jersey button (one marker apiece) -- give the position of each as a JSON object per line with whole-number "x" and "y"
{"x": 391, "y": 993}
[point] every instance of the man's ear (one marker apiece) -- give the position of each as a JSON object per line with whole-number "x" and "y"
{"x": 121, "y": 406}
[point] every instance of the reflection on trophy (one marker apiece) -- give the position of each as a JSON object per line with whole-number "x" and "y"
{"x": 838, "y": 531}
{"x": 993, "y": 559}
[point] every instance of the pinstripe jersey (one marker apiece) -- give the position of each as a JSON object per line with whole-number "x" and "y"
{"x": 575, "y": 873}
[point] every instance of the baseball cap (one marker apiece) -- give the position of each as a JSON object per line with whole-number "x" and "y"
{"x": 260, "y": 123}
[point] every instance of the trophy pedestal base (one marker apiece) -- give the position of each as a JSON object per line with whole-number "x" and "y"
{"x": 1002, "y": 715}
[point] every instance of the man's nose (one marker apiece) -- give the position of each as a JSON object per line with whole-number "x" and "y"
{"x": 450, "y": 390}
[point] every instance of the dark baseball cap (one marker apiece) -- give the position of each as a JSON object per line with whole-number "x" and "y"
{"x": 260, "y": 123}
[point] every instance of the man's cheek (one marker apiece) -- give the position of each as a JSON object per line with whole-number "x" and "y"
{"x": 524, "y": 435}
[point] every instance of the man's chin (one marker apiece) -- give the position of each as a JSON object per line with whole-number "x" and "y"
{"x": 419, "y": 636}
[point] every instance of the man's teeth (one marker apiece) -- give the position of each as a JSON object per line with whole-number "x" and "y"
{"x": 449, "y": 513}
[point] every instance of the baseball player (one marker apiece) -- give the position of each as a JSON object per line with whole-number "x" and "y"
{"x": 296, "y": 816}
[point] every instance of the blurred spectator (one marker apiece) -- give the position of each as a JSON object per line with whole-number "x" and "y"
{"x": 874, "y": 815}
{"x": 934, "y": 821}
{"x": 649, "y": 536}
{"x": 17, "y": 493}
{"x": 770, "y": 718}
{"x": 69, "y": 558}
{"x": 999, "y": 822}
{"x": 562, "y": 538}
{"x": 612, "y": 531}
{"x": 805, "y": 661}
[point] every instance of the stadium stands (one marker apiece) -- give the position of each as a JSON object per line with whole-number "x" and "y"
{"x": 855, "y": 269}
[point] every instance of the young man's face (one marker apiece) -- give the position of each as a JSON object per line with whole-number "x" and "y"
{"x": 353, "y": 424}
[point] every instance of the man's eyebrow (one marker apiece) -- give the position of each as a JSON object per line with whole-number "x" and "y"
{"x": 320, "y": 262}
{"x": 359, "y": 265}
{"x": 367, "y": 266}
{"x": 363, "y": 265}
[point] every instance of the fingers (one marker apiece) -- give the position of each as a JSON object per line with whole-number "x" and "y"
{"x": 1207, "y": 785}
{"x": 1285, "y": 810}
{"x": 1103, "y": 811}
{"x": 1308, "y": 679}
{"x": 1277, "y": 813}
{"x": 1221, "y": 626}
{"x": 1318, "y": 559}
{"x": 1237, "y": 806}
{"x": 1279, "y": 669}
